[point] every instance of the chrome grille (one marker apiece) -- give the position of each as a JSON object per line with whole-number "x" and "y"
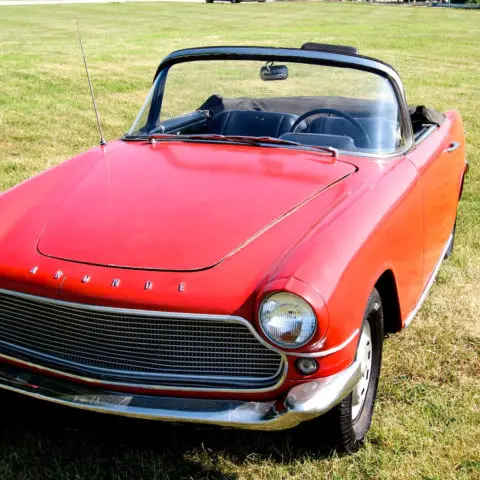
{"x": 141, "y": 347}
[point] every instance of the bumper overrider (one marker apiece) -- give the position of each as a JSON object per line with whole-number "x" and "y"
{"x": 303, "y": 402}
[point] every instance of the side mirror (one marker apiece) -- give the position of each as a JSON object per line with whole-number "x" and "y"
{"x": 273, "y": 72}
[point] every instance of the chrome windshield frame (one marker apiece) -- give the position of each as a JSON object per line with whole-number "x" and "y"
{"x": 323, "y": 58}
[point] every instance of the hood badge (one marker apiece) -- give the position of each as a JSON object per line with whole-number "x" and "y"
{"x": 115, "y": 282}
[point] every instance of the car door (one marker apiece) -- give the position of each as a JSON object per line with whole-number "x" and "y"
{"x": 440, "y": 160}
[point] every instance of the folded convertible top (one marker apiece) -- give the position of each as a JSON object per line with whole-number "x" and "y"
{"x": 420, "y": 114}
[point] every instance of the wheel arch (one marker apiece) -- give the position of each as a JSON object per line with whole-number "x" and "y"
{"x": 386, "y": 286}
{"x": 462, "y": 181}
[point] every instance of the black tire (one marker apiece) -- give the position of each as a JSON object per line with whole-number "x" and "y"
{"x": 209, "y": 1}
{"x": 450, "y": 247}
{"x": 344, "y": 432}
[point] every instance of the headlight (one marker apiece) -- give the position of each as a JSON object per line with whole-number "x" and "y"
{"x": 287, "y": 319}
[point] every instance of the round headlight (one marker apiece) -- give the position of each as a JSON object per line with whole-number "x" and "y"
{"x": 287, "y": 319}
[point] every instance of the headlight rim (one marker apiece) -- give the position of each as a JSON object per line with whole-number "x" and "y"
{"x": 274, "y": 342}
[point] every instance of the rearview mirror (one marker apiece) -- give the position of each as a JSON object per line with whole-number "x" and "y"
{"x": 273, "y": 72}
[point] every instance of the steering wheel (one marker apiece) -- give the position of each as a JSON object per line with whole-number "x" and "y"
{"x": 338, "y": 113}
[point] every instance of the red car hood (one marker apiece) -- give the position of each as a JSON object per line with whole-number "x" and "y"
{"x": 181, "y": 206}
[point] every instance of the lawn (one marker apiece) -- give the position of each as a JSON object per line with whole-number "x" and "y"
{"x": 427, "y": 420}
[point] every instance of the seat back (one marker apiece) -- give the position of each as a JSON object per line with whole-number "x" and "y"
{"x": 251, "y": 123}
{"x": 381, "y": 132}
{"x": 340, "y": 142}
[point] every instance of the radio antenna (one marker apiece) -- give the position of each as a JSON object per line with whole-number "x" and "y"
{"x": 102, "y": 139}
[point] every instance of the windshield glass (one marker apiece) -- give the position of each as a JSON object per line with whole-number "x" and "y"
{"x": 347, "y": 109}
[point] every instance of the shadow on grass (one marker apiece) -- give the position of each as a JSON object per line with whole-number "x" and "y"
{"x": 40, "y": 440}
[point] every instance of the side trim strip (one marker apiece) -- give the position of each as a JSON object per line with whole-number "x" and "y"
{"x": 330, "y": 351}
{"x": 422, "y": 298}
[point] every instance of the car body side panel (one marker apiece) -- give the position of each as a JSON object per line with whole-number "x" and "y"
{"x": 440, "y": 174}
{"x": 406, "y": 212}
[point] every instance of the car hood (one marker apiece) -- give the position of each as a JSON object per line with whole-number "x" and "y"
{"x": 181, "y": 206}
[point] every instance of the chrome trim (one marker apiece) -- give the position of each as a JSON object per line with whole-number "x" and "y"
{"x": 133, "y": 311}
{"x": 330, "y": 351}
{"x": 154, "y": 377}
{"x": 285, "y": 346}
{"x": 303, "y": 402}
{"x": 150, "y": 387}
{"x": 427, "y": 288}
{"x": 152, "y": 313}
{"x": 334, "y": 151}
{"x": 451, "y": 147}
{"x": 429, "y": 129}
{"x": 357, "y": 62}
{"x": 206, "y": 316}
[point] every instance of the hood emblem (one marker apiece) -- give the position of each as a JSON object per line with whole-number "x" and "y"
{"x": 148, "y": 285}
{"x": 181, "y": 287}
{"x": 58, "y": 274}
{"x": 34, "y": 270}
{"x": 86, "y": 279}
{"x": 115, "y": 282}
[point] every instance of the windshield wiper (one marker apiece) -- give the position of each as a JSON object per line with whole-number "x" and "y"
{"x": 241, "y": 139}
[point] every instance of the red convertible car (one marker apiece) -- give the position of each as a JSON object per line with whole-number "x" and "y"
{"x": 237, "y": 258}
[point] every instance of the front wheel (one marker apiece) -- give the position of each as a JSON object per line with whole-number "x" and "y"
{"x": 348, "y": 423}
{"x": 451, "y": 240}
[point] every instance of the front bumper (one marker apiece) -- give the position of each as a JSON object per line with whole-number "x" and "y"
{"x": 303, "y": 402}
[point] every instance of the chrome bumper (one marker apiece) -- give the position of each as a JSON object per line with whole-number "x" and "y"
{"x": 303, "y": 402}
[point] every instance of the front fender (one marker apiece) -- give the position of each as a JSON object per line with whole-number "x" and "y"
{"x": 379, "y": 229}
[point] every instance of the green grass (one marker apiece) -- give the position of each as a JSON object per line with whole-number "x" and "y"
{"x": 427, "y": 421}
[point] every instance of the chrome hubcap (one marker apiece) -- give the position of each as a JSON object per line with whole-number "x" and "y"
{"x": 364, "y": 356}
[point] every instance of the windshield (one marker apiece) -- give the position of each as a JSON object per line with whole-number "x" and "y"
{"x": 343, "y": 108}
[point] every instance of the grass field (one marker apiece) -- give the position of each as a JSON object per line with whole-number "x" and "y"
{"x": 427, "y": 421}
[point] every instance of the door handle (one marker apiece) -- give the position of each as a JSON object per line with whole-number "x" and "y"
{"x": 452, "y": 146}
